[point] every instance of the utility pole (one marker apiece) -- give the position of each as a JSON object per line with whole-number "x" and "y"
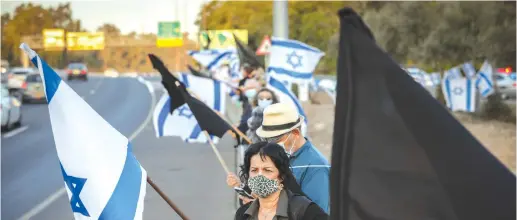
{"x": 280, "y": 19}
{"x": 65, "y": 48}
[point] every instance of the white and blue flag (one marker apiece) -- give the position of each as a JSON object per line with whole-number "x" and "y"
{"x": 214, "y": 58}
{"x": 292, "y": 60}
{"x": 182, "y": 122}
{"x": 453, "y": 73}
{"x": 460, "y": 94}
{"x": 484, "y": 81}
{"x": 436, "y": 78}
{"x": 102, "y": 177}
{"x": 469, "y": 70}
{"x": 286, "y": 96}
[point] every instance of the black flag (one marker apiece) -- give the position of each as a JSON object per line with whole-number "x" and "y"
{"x": 168, "y": 81}
{"x": 246, "y": 55}
{"x": 207, "y": 119}
{"x": 397, "y": 153}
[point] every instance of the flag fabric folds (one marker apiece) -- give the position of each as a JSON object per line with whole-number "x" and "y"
{"x": 286, "y": 96}
{"x": 181, "y": 122}
{"x": 484, "y": 80}
{"x": 207, "y": 119}
{"x": 469, "y": 70}
{"x": 460, "y": 94}
{"x": 453, "y": 73}
{"x": 102, "y": 177}
{"x": 397, "y": 152}
{"x": 292, "y": 60}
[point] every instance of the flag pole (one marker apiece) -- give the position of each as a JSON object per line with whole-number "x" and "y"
{"x": 216, "y": 151}
{"x": 166, "y": 198}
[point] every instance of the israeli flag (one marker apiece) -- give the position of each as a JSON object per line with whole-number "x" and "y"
{"x": 182, "y": 122}
{"x": 102, "y": 177}
{"x": 469, "y": 70}
{"x": 460, "y": 94}
{"x": 292, "y": 60}
{"x": 205, "y": 57}
{"x": 436, "y": 78}
{"x": 453, "y": 73}
{"x": 286, "y": 96}
{"x": 213, "y": 59}
{"x": 484, "y": 82}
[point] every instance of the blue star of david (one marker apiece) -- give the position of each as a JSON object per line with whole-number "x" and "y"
{"x": 292, "y": 62}
{"x": 457, "y": 91}
{"x": 75, "y": 185}
{"x": 185, "y": 111}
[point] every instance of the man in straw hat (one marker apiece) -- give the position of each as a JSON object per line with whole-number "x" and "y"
{"x": 282, "y": 125}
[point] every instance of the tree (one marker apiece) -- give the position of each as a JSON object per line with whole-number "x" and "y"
{"x": 28, "y": 20}
{"x": 109, "y": 30}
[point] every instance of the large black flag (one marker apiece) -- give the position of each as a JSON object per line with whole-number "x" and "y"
{"x": 207, "y": 119}
{"x": 246, "y": 55}
{"x": 397, "y": 153}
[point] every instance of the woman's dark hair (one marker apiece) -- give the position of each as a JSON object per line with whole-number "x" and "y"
{"x": 277, "y": 154}
{"x": 275, "y": 99}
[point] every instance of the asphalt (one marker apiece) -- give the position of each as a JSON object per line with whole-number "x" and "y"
{"x": 189, "y": 174}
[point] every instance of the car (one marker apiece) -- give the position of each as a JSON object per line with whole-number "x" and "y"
{"x": 506, "y": 84}
{"x": 77, "y": 71}
{"x": 16, "y": 78}
{"x": 10, "y": 110}
{"x": 35, "y": 91}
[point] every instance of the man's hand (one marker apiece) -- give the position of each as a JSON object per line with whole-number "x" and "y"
{"x": 232, "y": 180}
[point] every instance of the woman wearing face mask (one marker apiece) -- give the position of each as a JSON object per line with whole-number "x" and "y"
{"x": 264, "y": 98}
{"x": 266, "y": 171}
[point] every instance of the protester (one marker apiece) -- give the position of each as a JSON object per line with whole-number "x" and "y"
{"x": 266, "y": 171}
{"x": 264, "y": 98}
{"x": 282, "y": 125}
{"x": 248, "y": 88}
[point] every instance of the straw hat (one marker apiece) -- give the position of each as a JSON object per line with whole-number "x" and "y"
{"x": 279, "y": 119}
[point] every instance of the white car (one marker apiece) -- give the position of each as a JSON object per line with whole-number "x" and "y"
{"x": 16, "y": 77}
{"x": 506, "y": 84}
{"x": 10, "y": 110}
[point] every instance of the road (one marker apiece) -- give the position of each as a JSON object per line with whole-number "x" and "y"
{"x": 188, "y": 173}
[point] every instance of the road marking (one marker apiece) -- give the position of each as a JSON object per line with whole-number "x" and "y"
{"x": 15, "y": 132}
{"x": 54, "y": 196}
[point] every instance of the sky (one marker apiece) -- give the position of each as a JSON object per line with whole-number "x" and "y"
{"x": 128, "y": 15}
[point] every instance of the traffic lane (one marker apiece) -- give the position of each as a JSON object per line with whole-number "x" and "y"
{"x": 36, "y": 159}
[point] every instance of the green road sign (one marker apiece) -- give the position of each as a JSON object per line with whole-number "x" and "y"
{"x": 169, "y": 34}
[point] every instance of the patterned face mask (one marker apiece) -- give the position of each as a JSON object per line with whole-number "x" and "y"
{"x": 262, "y": 186}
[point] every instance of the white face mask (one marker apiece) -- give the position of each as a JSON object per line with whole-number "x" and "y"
{"x": 250, "y": 93}
{"x": 265, "y": 102}
{"x": 290, "y": 152}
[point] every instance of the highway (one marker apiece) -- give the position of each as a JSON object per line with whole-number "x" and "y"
{"x": 31, "y": 180}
